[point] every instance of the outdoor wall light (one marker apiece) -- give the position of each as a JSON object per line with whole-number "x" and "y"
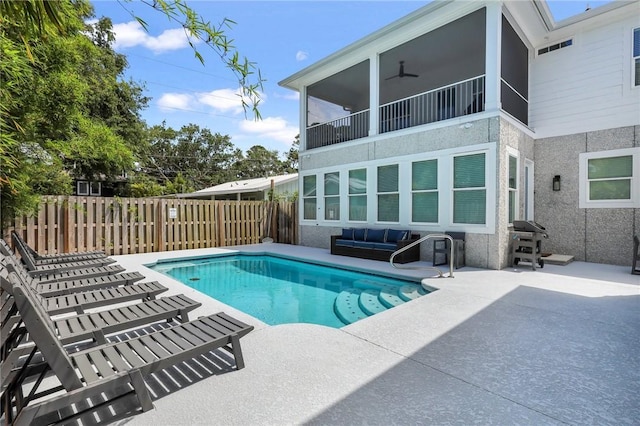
{"x": 556, "y": 183}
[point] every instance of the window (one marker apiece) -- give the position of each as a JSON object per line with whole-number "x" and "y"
{"x": 358, "y": 195}
{"x": 332, "y": 196}
{"x": 309, "y": 201}
{"x": 636, "y": 56}
{"x": 95, "y": 188}
{"x": 513, "y": 188}
{"x": 388, "y": 195}
{"x": 82, "y": 187}
{"x": 610, "y": 179}
{"x": 469, "y": 191}
{"x": 424, "y": 195}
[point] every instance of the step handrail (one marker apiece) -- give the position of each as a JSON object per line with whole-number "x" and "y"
{"x": 420, "y": 241}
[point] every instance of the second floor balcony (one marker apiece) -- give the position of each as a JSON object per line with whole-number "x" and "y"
{"x": 443, "y": 103}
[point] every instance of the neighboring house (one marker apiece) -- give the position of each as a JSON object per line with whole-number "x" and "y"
{"x": 467, "y": 115}
{"x": 99, "y": 188}
{"x": 285, "y": 187}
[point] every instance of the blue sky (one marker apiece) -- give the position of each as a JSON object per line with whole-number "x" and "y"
{"x": 281, "y": 37}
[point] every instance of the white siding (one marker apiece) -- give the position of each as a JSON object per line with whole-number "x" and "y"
{"x": 586, "y": 86}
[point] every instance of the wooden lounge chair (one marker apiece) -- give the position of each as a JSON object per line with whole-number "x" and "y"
{"x": 57, "y": 275}
{"x": 74, "y": 329}
{"x": 80, "y": 301}
{"x": 104, "y": 374}
{"x": 58, "y": 288}
{"x": 54, "y": 258}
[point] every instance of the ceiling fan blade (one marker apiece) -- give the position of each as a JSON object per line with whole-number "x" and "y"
{"x": 410, "y": 75}
{"x": 394, "y": 76}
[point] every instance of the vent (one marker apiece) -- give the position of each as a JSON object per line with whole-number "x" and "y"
{"x": 555, "y": 46}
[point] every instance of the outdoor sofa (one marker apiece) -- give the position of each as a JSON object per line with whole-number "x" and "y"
{"x": 376, "y": 244}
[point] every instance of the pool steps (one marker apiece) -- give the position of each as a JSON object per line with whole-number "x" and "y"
{"x": 369, "y": 297}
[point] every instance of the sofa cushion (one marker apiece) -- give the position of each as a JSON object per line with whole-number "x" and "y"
{"x": 363, "y": 244}
{"x": 376, "y": 235}
{"x": 359, "y": 234}
{"x": 347, "y": 234}
{"x": 385, "y": 246}
{"x": 346, "y": 243}
{"x": 394, "y": 235}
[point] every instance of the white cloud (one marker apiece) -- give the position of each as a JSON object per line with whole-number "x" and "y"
{"x": 172, "y": 101}
{"x": 276, "y": 128}
{"x": 131, "y": 34}
{"x": 301, "y": 55}
{"x": 223, "y": 100}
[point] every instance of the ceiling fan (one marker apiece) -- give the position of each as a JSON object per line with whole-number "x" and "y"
{"x": 401, "y": 73}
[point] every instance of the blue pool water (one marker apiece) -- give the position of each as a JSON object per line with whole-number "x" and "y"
{"x": 272, "y": 289}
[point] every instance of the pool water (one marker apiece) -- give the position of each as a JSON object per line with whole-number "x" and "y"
{"x": 273, "y": 289}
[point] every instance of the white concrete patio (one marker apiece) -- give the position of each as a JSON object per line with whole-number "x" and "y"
{"x": 560, "y": 345}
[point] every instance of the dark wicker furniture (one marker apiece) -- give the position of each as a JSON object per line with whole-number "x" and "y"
{"x": 375, "y": 244}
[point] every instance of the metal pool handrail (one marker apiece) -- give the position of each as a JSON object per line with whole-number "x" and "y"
{"x": 419, "y": 241}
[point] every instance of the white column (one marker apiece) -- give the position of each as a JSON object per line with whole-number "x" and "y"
{"x": 374, "y": 95}
{"x": 493, "y": 60}
{"x": 303, "y": 119}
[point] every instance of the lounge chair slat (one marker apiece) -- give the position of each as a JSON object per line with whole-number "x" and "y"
{"x": 128, "y": 354}
{"x": 178, "y": 340}
{"x": 157, "y": 349}
{"x": 142, "y": 351}
{"x": 214, "y": 328}
{"x": 101, "y": 364}
{"x": 165, "y": 343}
{"x": 196, "y": 333}
{"x": 85, "y": 367}
{"x": 114, "y": 358}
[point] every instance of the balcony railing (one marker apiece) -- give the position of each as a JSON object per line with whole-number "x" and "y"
{"x": 343, "y": 129}
{"x": 455, "y": 100}
{"x": 462, "y": 98}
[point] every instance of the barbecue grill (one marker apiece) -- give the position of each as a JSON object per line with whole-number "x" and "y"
{"x": 526, "y": 238}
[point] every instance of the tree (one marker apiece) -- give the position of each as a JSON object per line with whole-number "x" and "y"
{"x": 201, "y": 157}
{"x": 64, "y": 110}
{"x": 291, "y": 161}
{"x": 259, "y": 162}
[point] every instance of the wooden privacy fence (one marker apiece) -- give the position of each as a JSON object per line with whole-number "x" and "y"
{"x": 144, "y": 225}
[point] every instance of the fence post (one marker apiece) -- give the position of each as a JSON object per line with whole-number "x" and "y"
{"x": 160, "y": 225}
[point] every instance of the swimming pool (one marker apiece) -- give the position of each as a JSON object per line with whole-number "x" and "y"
{"x": 280, "y": 290}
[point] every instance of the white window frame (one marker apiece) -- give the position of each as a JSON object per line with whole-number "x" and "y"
{"x": 485, "y": 188}
{"x": 85, "y": 185}
{"x": 96, "y": 192}
{"x": 396, "y": 192}
{"x": 632, "y": 202}
{"x": 303, "y": 198}
{"x": 634, "y": 58}
{"x": 425, "y": 191}
{"x": 512, "y": 153}
{"x": 324, "y": 185}
{"x": 350, "y": 195}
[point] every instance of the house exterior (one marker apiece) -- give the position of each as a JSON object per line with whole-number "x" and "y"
{"x": 465, "y": 116}
{"x": 284, "y": 187}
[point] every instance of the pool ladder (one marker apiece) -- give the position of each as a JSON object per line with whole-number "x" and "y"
{"x": 421, "y": 240}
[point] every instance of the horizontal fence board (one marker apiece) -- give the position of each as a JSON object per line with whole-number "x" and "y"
{"x": 73, "y": 224}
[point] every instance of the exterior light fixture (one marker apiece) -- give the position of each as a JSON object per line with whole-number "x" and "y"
{"x": 556, "y": 183}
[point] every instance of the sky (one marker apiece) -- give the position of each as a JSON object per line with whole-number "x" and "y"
{"x": 280, "y": 37}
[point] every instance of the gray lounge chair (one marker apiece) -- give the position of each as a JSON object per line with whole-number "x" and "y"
{"x": 73, "y": 329}
{"x": 56, "y": 275}
{"x": 58, "y": 288}
{"x": 80, "y": 301}
{"x": 55, "y": 258}
{"x": 102, "y": 375}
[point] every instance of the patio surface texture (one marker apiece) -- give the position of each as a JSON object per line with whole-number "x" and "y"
{"x": 559, "y": 345}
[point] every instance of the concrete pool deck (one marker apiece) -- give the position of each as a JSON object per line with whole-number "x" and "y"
{"x": 559, "y": 345}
